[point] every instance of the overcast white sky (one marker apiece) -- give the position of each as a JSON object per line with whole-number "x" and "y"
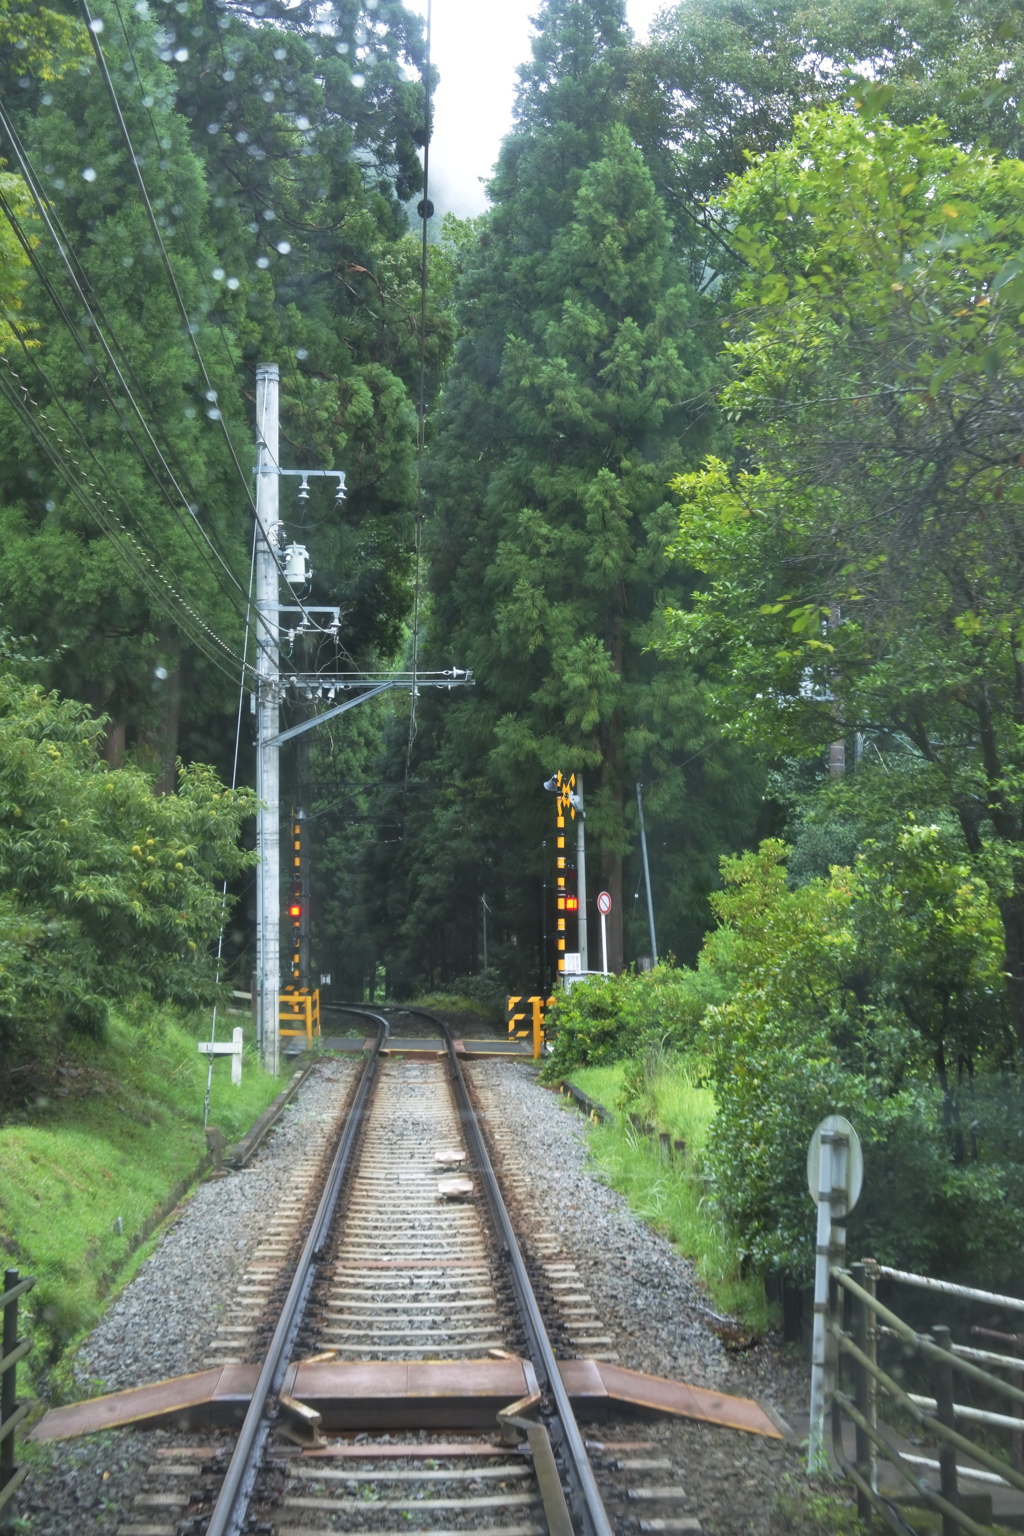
{"x": 476, "y": 46}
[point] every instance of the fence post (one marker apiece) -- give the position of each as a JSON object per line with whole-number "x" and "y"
{"x": 864, "y": 1337}
{"x": 943, "y": 1376}
{"x": 9, "y": 1382}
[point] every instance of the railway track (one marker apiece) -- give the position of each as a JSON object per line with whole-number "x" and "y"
{"x": 408, "y": 1254}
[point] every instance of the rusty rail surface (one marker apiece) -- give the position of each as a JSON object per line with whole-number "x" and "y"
{"x": 937, "y": 1416}
{"x": 11, "y": 1412}
{"x": 230, "y": 1511}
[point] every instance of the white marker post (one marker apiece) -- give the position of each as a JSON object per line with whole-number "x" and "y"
{"x": 835, "y": 1173}
{"x": 232, "y": 1048}
{"x": 604, "y": 906}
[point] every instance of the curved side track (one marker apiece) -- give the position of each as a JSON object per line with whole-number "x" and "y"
{"x": 229, "y": 1513}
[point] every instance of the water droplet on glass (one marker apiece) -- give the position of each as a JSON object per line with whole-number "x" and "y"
{"x": 302, "y": 123}
{"x": 211, "y": 394}
{"x": 213, "y": 413}
{"x": 88, "y": 174}
{"x": 341, "y": 47}
{"x": 47, "y": 100}
{"x": 180, "y": 55}
{"x": 263, "y": 261}
{"x": 127, "y": 261}
{"x": 301, "y": 354}
{"x": 96, "y": 26}
{"x": 59, "y": 183}
{"x": 232, "y": 283}
{"x": 241, "y": 137}
{"x": 268, "y": 95}
{"x": 358, "y": 80}
{"x": 218, "y": 274}
{"x": 228, "y": 74}
{"x": 148, "y": 101}
{"x": 280, "y": 53}
{"x": 283, "y": 246}
{"x": 51, "y": 506}
{"x": 190, "y": 411}
{"x": 268, "y": 214}
{"x": 161, "y": 673}
{"x": 213, "y": 127}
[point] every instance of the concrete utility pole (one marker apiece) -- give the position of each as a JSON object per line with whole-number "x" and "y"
{"x": 268, "y": 777}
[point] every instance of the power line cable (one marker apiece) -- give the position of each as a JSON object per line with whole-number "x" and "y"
{"x": 79, "y": 281}
{"x": 192, "y": 624}
{"x": 211, "y": 394}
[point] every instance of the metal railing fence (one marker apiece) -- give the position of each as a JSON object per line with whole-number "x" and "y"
{"x": 11, "y": 1411}
{"x": 853, "y": 1290}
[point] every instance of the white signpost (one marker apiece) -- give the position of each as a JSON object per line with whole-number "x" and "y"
{"x": 835, "y": 1174}
{"x": 232, "y": 1048}
{"x": 604, "y": 906}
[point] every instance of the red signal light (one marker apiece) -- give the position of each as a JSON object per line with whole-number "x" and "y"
{"x": 572, "y": 903}
{"x": 295, "y": 911}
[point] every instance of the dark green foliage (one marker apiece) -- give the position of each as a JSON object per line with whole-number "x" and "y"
{"x": 106, "y": 889}
{"x": 603, "y": 1021}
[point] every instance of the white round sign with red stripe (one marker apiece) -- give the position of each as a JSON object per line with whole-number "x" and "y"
{"x": 604, "y": 903}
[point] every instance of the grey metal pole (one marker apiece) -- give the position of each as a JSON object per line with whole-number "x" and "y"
{"x": 647, "y": 872}
{"x": 483, "y": 913}
{"x": 268, "y": 786}
{"x": 581, "y": 873}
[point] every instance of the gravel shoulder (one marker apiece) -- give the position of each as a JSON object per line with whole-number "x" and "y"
{"x": 162, "y": 1323}
{"x": 652, "y": 1304}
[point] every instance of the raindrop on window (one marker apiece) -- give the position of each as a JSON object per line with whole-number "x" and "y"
{"x": 161, "y": 673}
{"x": 280, "y": 53}
{"x": 341, "y": 47}
{"x": 127, "y": 261}
{"x": 283, "y": 246}
{"x": 218, "y": 274}
{"x": 96, "y": 26}
{"x": 211, "y": 394}
{"x": 148, "y": 101}
{"x": 190, "y": 411}
{"x": 267, "y": 95}
{"x": 263, "y": 261}
{"x": 180, "y": 55}
{"x": 358, "y": 80}
{"x": 241, "y": 137}
{"x": 213, "y": 127}
{"x": 47, "y": 100}
{"x": 59, "y": 183}
{"x": 51, "y": 506}
{"x": 253, "y": 228}
{"x": 232, "y": 283}
{"x": 88, "y": 174}
{"x": 301, "y": 353}
{"x": 213, "y": 413}
{"x": 302, "y": 123}
{"x": 228, "y": 74}
{"x": 268, "y": 214}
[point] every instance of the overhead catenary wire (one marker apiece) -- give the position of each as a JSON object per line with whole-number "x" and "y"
{"x": 95, "y": 26}
{"x": 193, "y": 626}
{"x": 78, "y": 283}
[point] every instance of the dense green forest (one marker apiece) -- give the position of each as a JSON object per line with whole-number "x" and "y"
{"x": 701, "y": 449}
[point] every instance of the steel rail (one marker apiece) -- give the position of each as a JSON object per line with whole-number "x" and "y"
{"x": 231, "y": 1509}
{"x": 585, "y": 1496}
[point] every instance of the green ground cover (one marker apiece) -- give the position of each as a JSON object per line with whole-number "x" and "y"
{"x": 98, "y": 1146}
{"x": 672, "y": 1195}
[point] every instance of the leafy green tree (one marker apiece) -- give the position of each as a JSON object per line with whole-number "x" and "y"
{"x": 866, "y": 578}
{"x": 106, "y": 889}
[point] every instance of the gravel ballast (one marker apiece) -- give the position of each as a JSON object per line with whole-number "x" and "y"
{"x": 650, "y": 1301}
{"x": 161, "y": 1324}
{"x": 651, "y": 1304}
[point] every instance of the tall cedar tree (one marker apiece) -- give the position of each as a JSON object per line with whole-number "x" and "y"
{"x": 277, "y": 156}
{"x": 581, "y": 382}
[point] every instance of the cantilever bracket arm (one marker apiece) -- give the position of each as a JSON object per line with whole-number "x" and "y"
{"x": 360, "y": 698}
